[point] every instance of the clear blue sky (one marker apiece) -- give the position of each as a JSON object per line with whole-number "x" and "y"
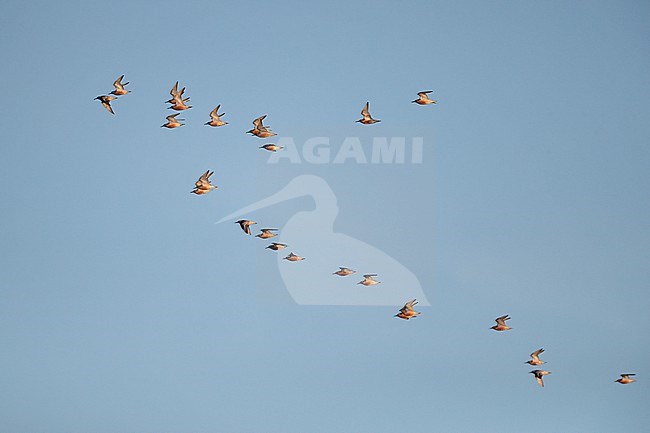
{"x": 125, "y": 308}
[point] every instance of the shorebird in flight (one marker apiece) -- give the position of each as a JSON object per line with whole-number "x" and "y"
{"x": 119, "y": 87}
{"x": 501, "y": 323}
{"x": 266, "y": 234}
{"x": 407, "y": 312}
{"x": 271, "y": 147}
{"x": 368, "y": 281}
{"x": 625, "y": 378}
{"x": 534, "y": 358}
{"x": 539, "y": 374}
{"x": 106, "y": 102}
{"x": 260, "y": 130}
{"x": 172, "y": 122}
{"x": 366, "y": 117}
{"x": 177, "y": 100}
{"x": 293, "y": 258}
{"x": 246, "y": 225}
{"x": 344, "y": 272}
{"x": 277, "y": 246}
{"x": 215, "y": 119}
{"x": 203, "y": 185}
{"x": 424, "y": 99}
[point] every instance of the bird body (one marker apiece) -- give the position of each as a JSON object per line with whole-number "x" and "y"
{"x": 625, "y": 378}
{"x": 366, "y": 118}
{"x": 368, "y": 280}
{"x": 119, "y": 87}
{"x": 215, "y": 118}
{"x": 106, "y": 102}
{"x": 271, "y": 147}
{"x": 172, "y": 122}
{"x": 275, "y": 246}
{"x": 423, "y": 99}
{"x": 293, "y": 258}
{"x": 534, "y": 358}
{"x": 203, "y": 185}
{"x": 538, "y": 376}
{"x": 344, "y": 272}
{"x": 246, "y": 225}
{"x": 266, "y": 234}
{"x": 259, "y": 129}
{"x": 501, "y": 323}
{"x": 407, "y": 312}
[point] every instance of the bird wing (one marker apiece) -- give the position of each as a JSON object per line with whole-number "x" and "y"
{"x": 174, "y": 90}
{"x": 258, "y": 122}
{"x": 117, "y": 83}
{"x": 364, "y": 111}
{"x": 108, "y": 107}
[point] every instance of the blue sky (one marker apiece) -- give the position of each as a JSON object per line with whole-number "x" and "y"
{"x": 124, "y": 307}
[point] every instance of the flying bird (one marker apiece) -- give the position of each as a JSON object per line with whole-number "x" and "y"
{"x": 368, "y": 281}
{"x": 344, "y": 272}
{"x": 271, "y": 147}
{"x": 119, "y": 87}
{"x": 407, "y": 312}
{"x": 539, "y": 374}
{"x": 424, "y": 99}
{"x": 277, "y": 246}
{"x": 625, "y": 378}
{"x": 246, "y": 225}
{"x": 203, "y": 185}
{"x": 260, "y": 130}
{"x": 106, "y": 102}
{"x": 172, "y": 122}
{"x": 293, "y": 258}
{"x": 215, "y": 119}
{"x": 177, "y": 100}
{"x": 501, "y": 323}
{"x": 534, "y": 358}
{"x": 366, "y": 117}
{"x": 266, "y": 234}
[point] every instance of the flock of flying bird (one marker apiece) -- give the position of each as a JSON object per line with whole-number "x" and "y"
{"x": 204, "y": 186}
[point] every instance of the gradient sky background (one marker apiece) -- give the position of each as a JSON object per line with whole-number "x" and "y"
{"x": 124, "y": 308}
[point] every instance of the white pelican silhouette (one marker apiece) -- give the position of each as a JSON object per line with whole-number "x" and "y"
{"x": 312, "y": 233}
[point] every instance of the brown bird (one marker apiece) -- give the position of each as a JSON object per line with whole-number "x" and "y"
{"x": 277, "y": 246}
{"x": 625, "y": 378}
{"x": 366, "y": 117}
{"x": 246, "y": 225}
{"x": 534, "y": 358}
{"x": 266, "y": 234}
{"x": 368, "y": 281}
{"x": 106, "y": 102}
{"x": 271, "y": 147}
{"x": 424, "y": 99}
{"x": 260, "y": 130}
{"x": 177, "y": 100}
{"x": 203, "y": 185}
{"x": 215, "y": 119}
{"x": 172, "y": 122}
{"x": 119, "y": 87}
{"x": 501, "y": 323}
{"x": 344, "y": 272}
{"x": 293, "y": 258}
{"x": 539, "y": 374}
{"x": 407, "y": 312}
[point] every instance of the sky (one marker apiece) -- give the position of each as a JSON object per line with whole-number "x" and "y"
{"x": 126, "y": 307}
